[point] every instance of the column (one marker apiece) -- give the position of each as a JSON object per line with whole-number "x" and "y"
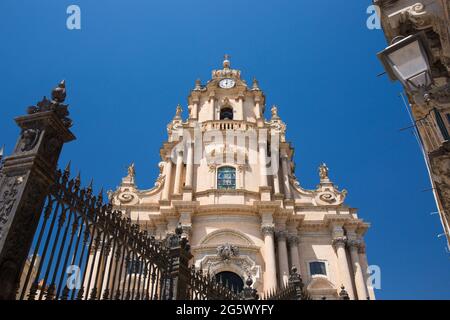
{"x": 257, "y": 110}
{"x": 262, "y": 162}
{"x": 282, "y": 257}
{"x": 178, "y": 170}
{"x": 212, "y": 181}
{"x": 241, "y": 108}
{"x": 344, "y": 270}
{"x": 276, "y": 183}
{"x": 168, "y": 179}
{"x": 287, "y": 187}
{"x": 212, "y": 107}
{"x": 241, "y": 169}
{"x": 276, "y": 177}
{"x": 293, "y": 251}
{"x": 270, "y": 281}
{"x": 194, "y": 115}
{"x": 360, "y": 284}
{"x": 189, "y": 165}
{"x": 364, "y": 265}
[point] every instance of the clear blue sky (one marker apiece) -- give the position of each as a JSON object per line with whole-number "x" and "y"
{"x": 134, "y": 60}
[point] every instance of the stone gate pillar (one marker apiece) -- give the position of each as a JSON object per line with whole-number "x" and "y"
{"x": 25, "y": 180}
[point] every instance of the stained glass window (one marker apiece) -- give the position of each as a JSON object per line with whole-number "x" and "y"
{"x": 317, "y": 267}
{"x": 226, "y": 178}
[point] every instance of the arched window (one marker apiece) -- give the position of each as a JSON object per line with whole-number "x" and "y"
{"x": 230, "y": 280}
{"x": 226, "y": 113}
{"x": 226, "y": 178}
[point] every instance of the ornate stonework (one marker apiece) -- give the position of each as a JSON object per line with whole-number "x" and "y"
{"x": 231, "y": 215}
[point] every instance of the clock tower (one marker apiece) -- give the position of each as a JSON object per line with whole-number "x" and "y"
{"x": 227, "y": 177}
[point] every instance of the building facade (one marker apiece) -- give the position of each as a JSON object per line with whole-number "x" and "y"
{"x": 227, "y": 177}
{"x": 418, "y": 34}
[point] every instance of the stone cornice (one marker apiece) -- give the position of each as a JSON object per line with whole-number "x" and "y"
{"x": 226, "y": 208}
{"x": 185, "y": 206}
{"x": 267, "y": 206}
{"x": 315, "y": 225}
{"x": 218, "y": 192}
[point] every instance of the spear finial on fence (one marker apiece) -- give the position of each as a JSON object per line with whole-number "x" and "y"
{"x": 90, "y": 188}
{"x": 91, "y": 184}
{"x": 78, "y": 177}
{"x": 100, "y": 195}
{"x": 67, "y": 169}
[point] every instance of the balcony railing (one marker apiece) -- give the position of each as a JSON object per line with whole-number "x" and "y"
{"x": 228, "y": 125}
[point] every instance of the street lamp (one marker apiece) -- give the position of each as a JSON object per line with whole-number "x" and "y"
{"x": 406, "y": 60}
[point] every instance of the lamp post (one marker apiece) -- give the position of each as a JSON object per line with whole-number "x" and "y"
{"x": 406, "y": 60}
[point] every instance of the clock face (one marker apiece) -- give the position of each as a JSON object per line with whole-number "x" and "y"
{"x": 227, "y": 83}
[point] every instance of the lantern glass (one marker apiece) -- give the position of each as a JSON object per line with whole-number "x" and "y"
{"x": 409, "y": 62}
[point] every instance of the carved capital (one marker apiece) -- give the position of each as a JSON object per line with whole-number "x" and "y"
{"x": 293, "y": 240}
{"x": 267, "y": 229}
{"x": 281, "y": 235}
{"x": 362, "y": 248}
{"x": 339, "y": 242}
{"x": 353, "y": 244}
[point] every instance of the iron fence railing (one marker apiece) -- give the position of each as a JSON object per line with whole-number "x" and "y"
{"x": 84, "y": 250}
{"x": 293, "y": 289}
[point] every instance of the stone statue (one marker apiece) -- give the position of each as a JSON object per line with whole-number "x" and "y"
{"x": 255, "y": 84}
{"x": 178, "y": 112}
{"x": 274, "y": 111}
{"x": 323, "y": 171}
{"x": 131, "y": 170}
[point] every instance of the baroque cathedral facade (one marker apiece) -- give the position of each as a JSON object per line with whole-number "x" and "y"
{"x": 227, "y": 178}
